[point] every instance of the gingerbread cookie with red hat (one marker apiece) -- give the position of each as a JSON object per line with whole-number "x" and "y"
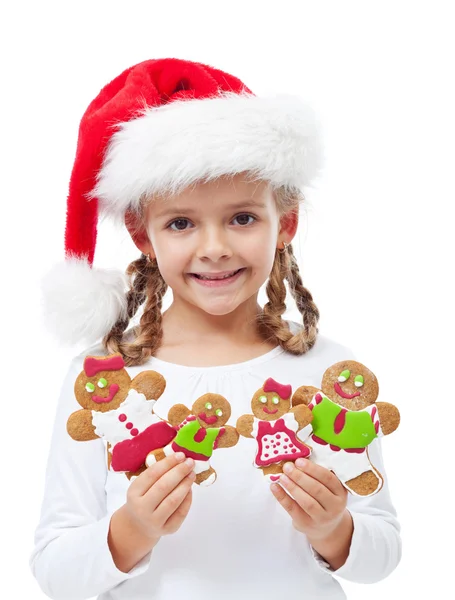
{"x": 346, "y": 419}
{"x": 119, "y": 410}
{"x": 200, "y": 430}
{"x": 274, "y": 424}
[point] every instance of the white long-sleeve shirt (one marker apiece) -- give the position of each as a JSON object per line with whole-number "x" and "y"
{"x": 237, "y": 541}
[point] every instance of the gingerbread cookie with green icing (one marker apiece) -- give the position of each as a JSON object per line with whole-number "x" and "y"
{"x": 200, "y": 430}
{"x": 119, "y": 410}
{"x": 346, "y": 419}
{"x": 274, "y": 425}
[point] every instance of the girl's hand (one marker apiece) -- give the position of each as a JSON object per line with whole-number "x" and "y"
{"x": 159, "y": 499}
{"x": 320, "y": 499}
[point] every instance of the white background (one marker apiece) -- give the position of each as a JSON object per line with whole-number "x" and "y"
{"x": 374, "y": 242}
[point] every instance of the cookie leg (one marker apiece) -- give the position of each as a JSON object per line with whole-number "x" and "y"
{"x": 273, "y": 472}
{"x": 206, "y": 478}
{"x": 157, "y": 455}
{"x": 131, "y": 474}
{"x": 365, "y": 484}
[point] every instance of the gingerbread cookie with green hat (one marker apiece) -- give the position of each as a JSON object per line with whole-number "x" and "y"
{"x": 346, "y": 419}
{"x": 200, "y": 430}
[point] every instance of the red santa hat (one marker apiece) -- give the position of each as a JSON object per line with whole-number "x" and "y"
{"x": 158, "y": 127}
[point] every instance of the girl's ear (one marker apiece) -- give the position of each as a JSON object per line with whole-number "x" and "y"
{"x": 289, "y": 223}
{"x": 138, "y": 233}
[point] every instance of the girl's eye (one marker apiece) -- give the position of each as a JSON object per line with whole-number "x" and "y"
{"x": 219, "y": 412}
{"x": 344, "y": 375}
{"x": 275, "y": 400}
{"x": 178, "y": 221}
{"x": 245, "y": 215}
{"x": 90, "y": 387}
{"x": 102, "y": 382}
{"x": 263, "y": 399}
{"x": 358, "y": 381}
{"x": 208, "y": 406}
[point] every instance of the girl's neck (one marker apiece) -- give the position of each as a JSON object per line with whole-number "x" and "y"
{"x": 184, "y": 324}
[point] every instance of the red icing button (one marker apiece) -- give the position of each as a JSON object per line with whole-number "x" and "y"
{"x": 129, "y": 425}
{"x": 275, "y": 451}
{"x": 278, "y": 436}
{"x": 266, "y": 455}
{"x": 134, "y": 431}
{"x": 294, "y": 450}
{"x": 122, "y": 418}
{"x": 267, "y": 447}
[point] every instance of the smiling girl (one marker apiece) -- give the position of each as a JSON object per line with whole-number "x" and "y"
{"x": 208, "y": 180}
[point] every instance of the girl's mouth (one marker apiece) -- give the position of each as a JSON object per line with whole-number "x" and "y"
{"x": 218, "y": 282}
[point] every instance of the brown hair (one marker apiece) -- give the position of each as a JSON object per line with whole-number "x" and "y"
{"x": 147, "y": 285}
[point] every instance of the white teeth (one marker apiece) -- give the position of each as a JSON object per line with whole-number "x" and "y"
{"x": 217, "y": 278}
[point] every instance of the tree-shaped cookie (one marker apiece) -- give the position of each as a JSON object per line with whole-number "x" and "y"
{"x": 119, "y": 410}
{"x": 274, "y": 424}
{"x": 346, "y": 419}
{"x": 200, "y": 430}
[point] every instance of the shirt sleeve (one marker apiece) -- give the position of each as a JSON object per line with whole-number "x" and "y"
{"x": 71, "y": 557}
{"x": 375, "y": 549}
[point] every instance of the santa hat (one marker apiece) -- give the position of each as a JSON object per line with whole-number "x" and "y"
{"x": 158, "y": 127}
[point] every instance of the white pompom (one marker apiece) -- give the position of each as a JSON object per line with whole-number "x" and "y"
{"x": 81, "y": 303}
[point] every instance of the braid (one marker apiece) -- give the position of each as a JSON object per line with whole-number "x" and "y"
{"x": 146, "y": 283}
{"x": 271, "y": 325}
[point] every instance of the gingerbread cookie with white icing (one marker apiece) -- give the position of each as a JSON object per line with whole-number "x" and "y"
{"x": 200, "y": 430}
{"x": 346, "y": 419}
{"x": 119, "y": 410}
{"x": 274, "y": 424}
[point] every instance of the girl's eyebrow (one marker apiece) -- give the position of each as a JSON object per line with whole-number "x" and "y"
{"x": 169, "y": 211}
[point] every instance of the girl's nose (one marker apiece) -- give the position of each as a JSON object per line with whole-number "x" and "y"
{"x": 214, "y": 246}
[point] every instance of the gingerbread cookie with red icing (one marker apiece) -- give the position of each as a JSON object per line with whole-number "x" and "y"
{"x": 274, "y": 424}
{"x": 119, "y": 410}
{"x": 200, "y": 430}
{"x": 346, "y": 419}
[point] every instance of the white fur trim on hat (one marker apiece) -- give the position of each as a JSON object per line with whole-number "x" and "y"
{"x": 169, "y": 147}
{"x": 80, "y": 302}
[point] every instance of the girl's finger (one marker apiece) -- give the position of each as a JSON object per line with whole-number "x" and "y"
{"x": 313, "y": 487}
{"x": 147, "y": 478}
{"x": 321, "y": 474}
{"x": 172, "y": 502}
{"x": 167, "y": 483}
{"x": 306, "y": 502}
{"x": 175, "y": 520}
{"x": 290, "y": 506}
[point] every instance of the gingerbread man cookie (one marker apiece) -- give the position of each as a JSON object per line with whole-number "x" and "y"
{"x": 346, "y": 419}
{"x": 274, "y": 425}
{"x": 200, "y": 431}
{"x": 119, "y": 410}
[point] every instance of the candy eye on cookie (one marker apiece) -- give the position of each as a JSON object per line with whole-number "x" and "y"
{"x": 344, "y": 375}
{"x": 89, "y": 387}
{"x": 263, "y": 399}
{"x": 359, "y": 381}
{"x": 208, "y": 406}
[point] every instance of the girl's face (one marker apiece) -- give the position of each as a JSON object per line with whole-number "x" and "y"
{"x": 214, "y": 229}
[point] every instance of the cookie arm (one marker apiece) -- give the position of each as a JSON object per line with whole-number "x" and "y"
{"x": 71, "y": 556}
{"x": 244, "y": 425}
{"x": 228, "y": 438}
{"x": 303, "y": 415}
{"x": 80, "y": 427}
{"x": 177, "y": 414}
{"x": 389, "y": 417}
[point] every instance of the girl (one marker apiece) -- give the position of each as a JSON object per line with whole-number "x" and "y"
{"x": 208, "y": 179}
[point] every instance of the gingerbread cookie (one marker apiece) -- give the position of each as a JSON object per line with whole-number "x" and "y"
{"x": 119, "y": 410}
{"x": 200, "y": 431}
{"x": 346, "y": 419}
{"x": 274, "y": 425}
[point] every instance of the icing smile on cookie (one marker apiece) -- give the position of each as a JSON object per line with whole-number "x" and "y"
{"x": 340, "y": 392}
{"x": 113, "y": 389}
{"x": 268, "y": 411}
{"x": 209, "y": 420}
